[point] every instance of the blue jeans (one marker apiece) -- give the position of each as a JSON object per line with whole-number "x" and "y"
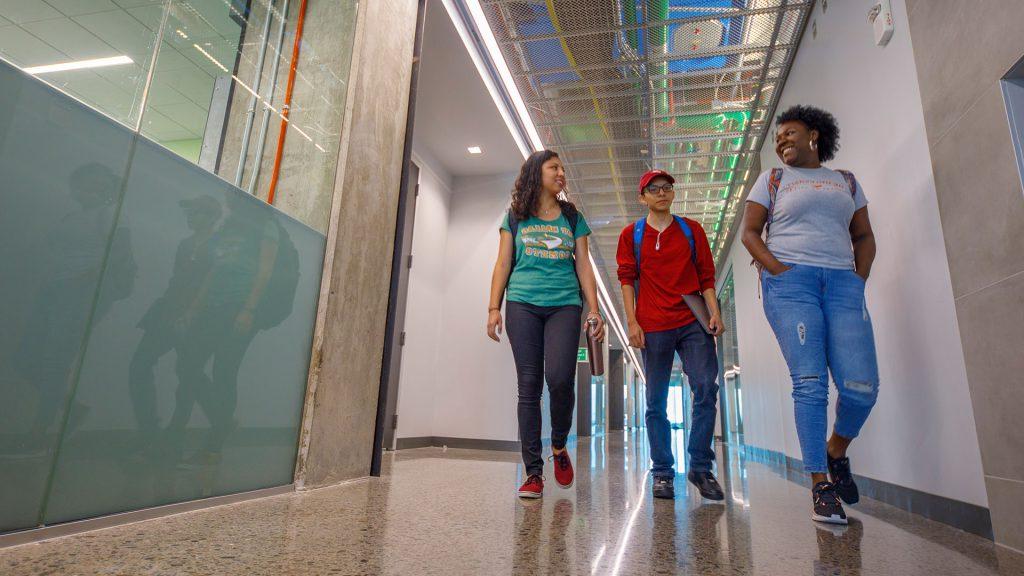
{"x": 820, "y": 318}
{"x": 696, "y": 348}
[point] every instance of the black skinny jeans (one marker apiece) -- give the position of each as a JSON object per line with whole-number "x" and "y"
{"x": 544, "y": 343}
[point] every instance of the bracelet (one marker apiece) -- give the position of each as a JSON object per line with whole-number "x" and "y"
{"x": 597, "y": 314}
{"x": 497, "y": 309}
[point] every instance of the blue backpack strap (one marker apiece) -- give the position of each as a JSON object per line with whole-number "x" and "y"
{"x": 638, "y": 239}
{"x": 851, "y": 181}
{"x": 689, "y": 238}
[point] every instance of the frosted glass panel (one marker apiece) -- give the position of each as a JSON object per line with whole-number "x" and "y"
{"x": 156, "y": 320}
{"x": 61, "y": 168}
{"x": 192, "y": 385}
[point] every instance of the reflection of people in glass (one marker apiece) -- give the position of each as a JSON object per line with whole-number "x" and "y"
{"x": 162, "y": 323}
{"x": 77, "y": 249}
{"x": 250, "y": 286}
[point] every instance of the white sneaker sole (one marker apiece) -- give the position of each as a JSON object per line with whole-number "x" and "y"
{"x": 566, "y": 486}
{"x": 830, "y": 519}
{"x": 531, "y": 495}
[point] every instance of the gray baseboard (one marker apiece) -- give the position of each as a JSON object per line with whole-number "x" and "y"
{"x": 468, "y": 443}
{"x": 112, "y": 520}
{"x": 962, "y": 515}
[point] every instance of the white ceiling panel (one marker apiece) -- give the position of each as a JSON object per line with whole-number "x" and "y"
{"x": 96, "y": 91}
{"x": 75, "y": 42}
{"x": 23, "y": 49}
{"x": 80, "y": 7}
{"x": 194, "y": 84}
{"x": 190, "y": 116}
{"x": 161, "y": 128}
{"x": 22, "y": 11}
{"x": 122, "y": 31}
{"x": 149, "y": 16}
{"x": 163, "y": 93}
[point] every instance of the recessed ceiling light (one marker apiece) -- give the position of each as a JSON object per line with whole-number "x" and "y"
{"x": 79, "y": 64}
{"x": 475, "y": 150}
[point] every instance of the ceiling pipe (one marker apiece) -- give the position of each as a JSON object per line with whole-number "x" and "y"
{"x": 250, "y": 113}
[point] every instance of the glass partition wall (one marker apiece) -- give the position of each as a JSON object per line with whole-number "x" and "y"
{"x": 168, "y": 169}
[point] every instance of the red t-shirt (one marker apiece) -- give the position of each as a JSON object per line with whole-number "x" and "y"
{"x": 666, "y": 273}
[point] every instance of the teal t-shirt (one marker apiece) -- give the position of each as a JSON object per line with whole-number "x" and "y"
{"x": 545, "y": 272}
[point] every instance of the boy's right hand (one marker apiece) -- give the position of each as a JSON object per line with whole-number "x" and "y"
{"x": 636, "y": 335}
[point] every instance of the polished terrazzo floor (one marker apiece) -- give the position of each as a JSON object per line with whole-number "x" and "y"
{"x": 450, "y": 512}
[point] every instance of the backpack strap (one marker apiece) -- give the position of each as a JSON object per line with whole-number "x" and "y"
{"x": 774, "y": 180}
{"x": 638, "y": 238}
{"x": 513, "y": 226}
{"x": 851, "y": 181}
{"x": 573, "y": 219}
{"x": 689, "y": 238}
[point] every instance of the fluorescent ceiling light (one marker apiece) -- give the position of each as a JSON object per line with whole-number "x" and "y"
{"x": 484, "y": 29}
{"x": 481, "y": 68}
{"x": 475, "y": 150}
{"x": 80, "y": 64}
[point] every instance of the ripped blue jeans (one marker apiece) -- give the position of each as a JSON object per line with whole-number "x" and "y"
{"x": 820, "y": 318}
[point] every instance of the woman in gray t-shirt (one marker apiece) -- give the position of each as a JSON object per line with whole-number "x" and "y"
{"x": 814, "y": 263}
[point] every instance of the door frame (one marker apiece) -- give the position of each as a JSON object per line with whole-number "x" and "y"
{"x": 390, "y": 337}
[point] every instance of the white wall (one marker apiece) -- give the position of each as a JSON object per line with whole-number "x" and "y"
{"x": 476, "y": 379}
{"x": 455, "y": 381}
{"x": 417, "y": 384}
{"x": 921, "y": 433}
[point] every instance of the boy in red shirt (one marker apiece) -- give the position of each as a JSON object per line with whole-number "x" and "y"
{"x": 674, "y": 259}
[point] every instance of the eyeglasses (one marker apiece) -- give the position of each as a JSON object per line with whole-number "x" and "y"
{"x": 655, "y": 189}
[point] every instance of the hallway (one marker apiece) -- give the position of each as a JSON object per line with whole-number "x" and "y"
{"x": 437, "y": 511}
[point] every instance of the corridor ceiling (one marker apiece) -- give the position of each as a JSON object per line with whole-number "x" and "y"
{"x": 618, "y": 87}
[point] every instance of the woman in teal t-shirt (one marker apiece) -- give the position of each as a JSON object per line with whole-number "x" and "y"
{"x": 545, "y": 269}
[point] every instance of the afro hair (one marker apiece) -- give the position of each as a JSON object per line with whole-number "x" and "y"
{"x": 815, "y": 119}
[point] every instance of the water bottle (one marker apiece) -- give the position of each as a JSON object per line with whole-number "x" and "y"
{"x": 594, "y": 349}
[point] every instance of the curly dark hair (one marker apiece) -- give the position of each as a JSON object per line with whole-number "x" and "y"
{"x": 815, "y": 119}
{"x": 527, "y": 191}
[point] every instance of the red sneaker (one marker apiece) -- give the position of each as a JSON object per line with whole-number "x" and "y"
{"x": 563, "y": 469}
{"x": 532, "y": 488}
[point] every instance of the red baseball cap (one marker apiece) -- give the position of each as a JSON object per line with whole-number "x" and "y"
{"x": 651, "y": 175}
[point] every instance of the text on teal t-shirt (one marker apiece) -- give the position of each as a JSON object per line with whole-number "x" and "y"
{"x": 545, "y": 272}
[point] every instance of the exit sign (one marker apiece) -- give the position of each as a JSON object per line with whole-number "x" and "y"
{"x": 583, "y": 355}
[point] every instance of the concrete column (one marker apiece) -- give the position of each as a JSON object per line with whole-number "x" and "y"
{"x": 336, "y": 442}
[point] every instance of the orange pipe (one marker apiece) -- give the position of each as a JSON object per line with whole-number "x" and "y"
{"x": 287, "y": 103}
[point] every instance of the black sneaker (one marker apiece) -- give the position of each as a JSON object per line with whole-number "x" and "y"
{"x": 827, "y": 507}
{"x": 705, "y": 481}
{"x": 663, "y": 488}
{"x": 842, "y": 479}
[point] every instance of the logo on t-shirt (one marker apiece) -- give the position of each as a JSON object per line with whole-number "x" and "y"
{"x": 547, "y": 241}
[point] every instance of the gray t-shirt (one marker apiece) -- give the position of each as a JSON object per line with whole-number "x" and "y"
{"x": 813, "y": 209}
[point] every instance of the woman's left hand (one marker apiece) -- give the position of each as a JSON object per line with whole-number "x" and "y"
{"x": 600, "y": 329}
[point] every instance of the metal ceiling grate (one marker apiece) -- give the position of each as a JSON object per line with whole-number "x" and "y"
{"x": 618, "y": 87}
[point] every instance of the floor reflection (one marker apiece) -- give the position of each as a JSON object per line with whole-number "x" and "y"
{"x": 455, "y": 512}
